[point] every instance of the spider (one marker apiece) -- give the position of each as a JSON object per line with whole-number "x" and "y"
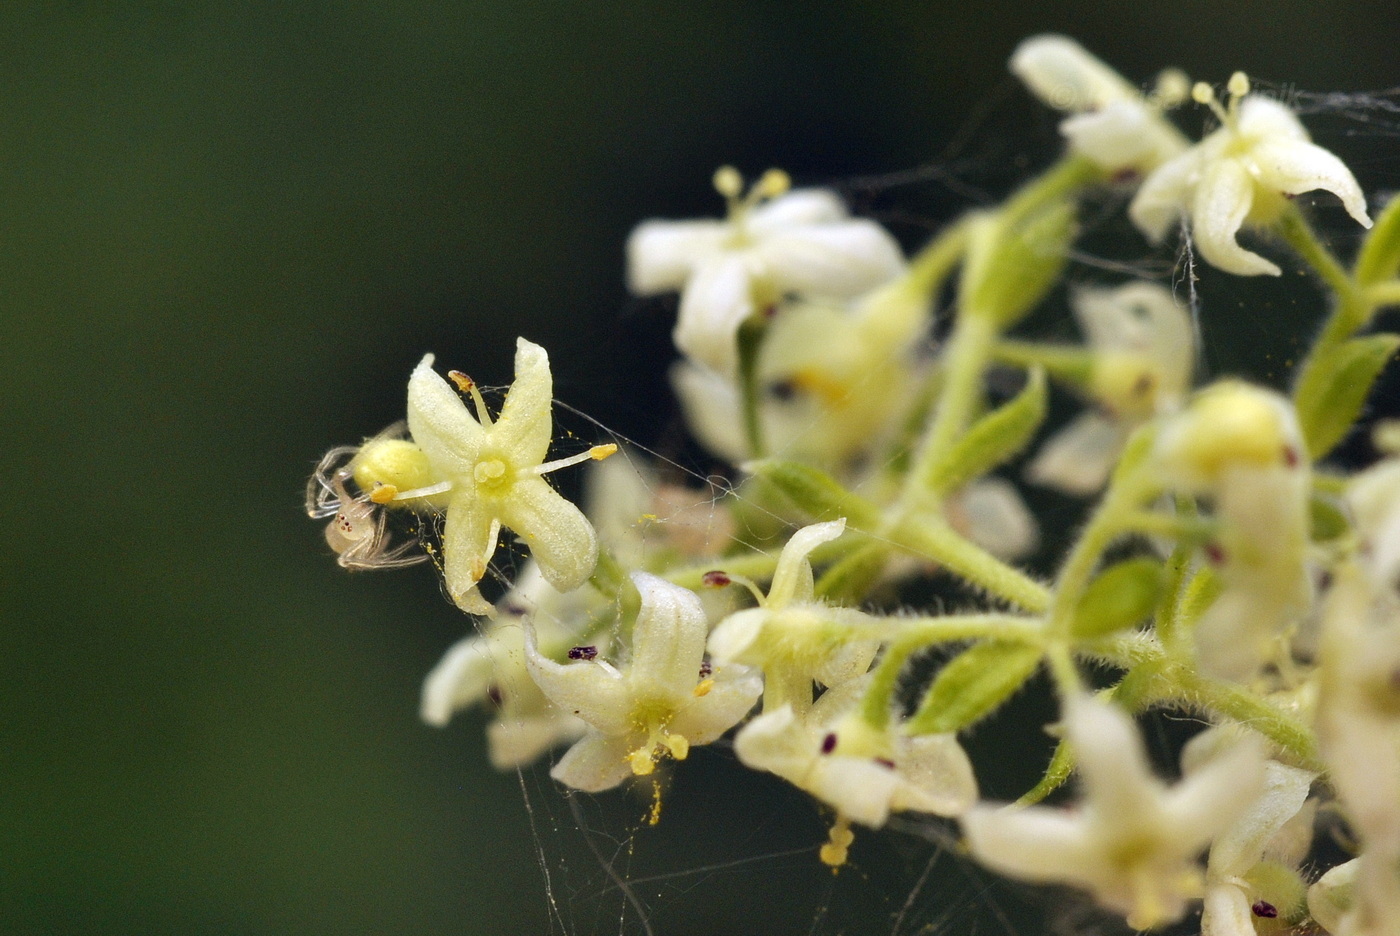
{"x": 358, "y": 530}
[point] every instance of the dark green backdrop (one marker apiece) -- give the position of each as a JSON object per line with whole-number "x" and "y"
{"x": 227, "y": 231}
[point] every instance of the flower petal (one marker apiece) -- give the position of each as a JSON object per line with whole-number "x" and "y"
{"x": 779, "y": 743}
{"x": 998, "y": 519}
{"x": 668, "y": 641}
{"x": 1263, "y": 118}
{"x": 1124, "y": 135}
{"x": 525, "y": 425}
{"x": 1211, "y": 798}
{"x": 733, "y": 636}
{"x": 596, "y": 762}
{"x": 716, "y": 301}
{"x": 1078, "y": 458}
{"x": 461, "y": 679}
{"x": 793, "y": 570}
{"x": 835, "y": 260}
{"x": 859, "y": 789}
{"x": 1065, "y": 76}
{"x": 661, "y": 255}
{"x": 1112, "y": 761}
{"x": 440, "y": 424}
{"x": 560, "y": 537}
{"x": 937, "y": 776}
{"x": 731, "y": 697}
{"x": 798, "y": 207}
{"x": 711, "y": 406}
{"x": 1221, "y": 202}
{"x": 468, "y": 541}
{"x": 588, "y": 689}
{"x": 1227, "y": 912}
{"x": 517, "y": 740}
{"x": 1035, "y": 844}
{"x": 1241, "y": 847}
{"x": 1160, "y": 200}
{"x": 1296, "y": 166}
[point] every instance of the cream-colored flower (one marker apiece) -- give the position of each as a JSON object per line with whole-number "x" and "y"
{"x": 862, "y": 773}
{"x": 490, "y": 667}
{"x": 1250, "y": 872}
{"x": 1241, "y": 175}
{"x": 1241, "y": 445}
{"x": 1133, "y": 842}
{"x": 773, "y": 242}
{"x": 1110, "y": 121}
{"x": 492, "y": 473}
{"x": 659, "y": 704}
{"x": 793, "y": 638}
{"x": 836, "y": 380}
{"x": 1143, "y": 351}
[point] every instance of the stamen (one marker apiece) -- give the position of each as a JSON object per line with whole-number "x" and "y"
{"x": 596, "y": 453}
{"x": 383, "y": 493}
{"x": 774, "y": 182}
{"x": 678, "y": 745}
{"x": 1203, "y": 93}
{"x": 1238, "y": 86}
{"x": 838, "y": 844}
{"x": 719, "y": 579}
{"x": 703, "y": 687}
{"x": 466, "y": 385}
{"x": 442, "y": 487}
{"x": 1173, "y": 87}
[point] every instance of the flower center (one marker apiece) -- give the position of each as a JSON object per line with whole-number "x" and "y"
{"x": 1238, "y": 87}
{"x": 490, "y": 473}
{"x": 729, "y": 183}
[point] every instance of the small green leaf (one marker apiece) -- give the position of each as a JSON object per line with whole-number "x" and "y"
{"x": 816, "y": 493}
{"x": 850, "y": 579}
{"x": 1121, "y": 596}
{"x": 1011, "y": 266}
{"x": 973, "y": 685}
{"x": 1330, "y": 399}
{"x": 1328, "y": 520}
{"x": 1135, "y": 453}
{"x": 993, "y": 439}
{"x": 1379, "y": 258}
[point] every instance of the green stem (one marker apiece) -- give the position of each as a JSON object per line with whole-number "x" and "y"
{"x": 1241, "y": 705}
{"x": 931, "y": 265}
{"x": 968, "y": 351}
{"x": 1384, "y": 294}
{"x": 750, "y": 341}
{"x": 1301, "y": 237}
{"x": 931, "y": 538}
{"x": 1066, "y": 362}
{"x": 1165, "y": 621}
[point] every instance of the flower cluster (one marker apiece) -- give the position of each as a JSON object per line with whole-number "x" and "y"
{"x": 1226, "y": 569}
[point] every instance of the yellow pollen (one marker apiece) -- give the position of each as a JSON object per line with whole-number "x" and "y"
{"x": 600, "y": 452}
{"x": 678, "y": 745}
{"x": 774, "y": 182}
{"x": 383, "y": 493}
{"x": 834, "y": 852}
{"x": 655, "y": 815}
{"x": 1202, "y": 93}
{"x": 703, "y": 687}
{"x": 1239, "y": 84}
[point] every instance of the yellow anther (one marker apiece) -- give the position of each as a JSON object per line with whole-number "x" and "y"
{"x": 383, "y": 493}
{"x": 774, "y": 182}
{"x": 678, "y": 745}
{"x": 463, "y": 382}
{"x": 1239, "y": 84}
{"x": 643, "y": 763}
{"x": 1202, "y": 93}
{"x": 834, "y": 852}
{"x": 728, "y": 182}
{"x": 703, "y": 687}
{"x": 600, "y": 452}
{"x": 1173, "y": 87}
{"x": 650, "y": 518}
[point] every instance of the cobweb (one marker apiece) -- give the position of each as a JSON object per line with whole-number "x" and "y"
{"x": 735, "y": 851}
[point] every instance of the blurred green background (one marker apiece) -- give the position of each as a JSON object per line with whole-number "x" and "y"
{"x": 230, "y": 229}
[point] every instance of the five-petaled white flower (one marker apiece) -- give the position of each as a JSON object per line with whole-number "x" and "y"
{"x": 795, "y": 639}
{"x": 493, "y": 474}
{"x": 1241, "y": 174}
{"x": 1133, "y": 842}
{"x": 660, "y": 703}
{"x": 863, "y": 773}
{"x": 773, "y": 242}
{"x": 1110, "y": 122}
{"x": 1142, "y": 349}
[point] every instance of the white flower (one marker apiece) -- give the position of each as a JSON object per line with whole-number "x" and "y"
{"x": 494, "y": 472}
{"x": 773, "y": 242}
{"x": 1132, "y": 842}
{"x": 1142, "y": 357}
{"x": 1241, "y": 175}
{"x": 793, "y": 638}
{"x": 490, "y": 667}
{"x": 861, "y": 773}
{"x": 1236, "y": 882}
{"x": 1242, "y": 446}
{"x": 1110, "y": 122}
{"x": 1374, "y": 498}
{"x": 659, "y": 704}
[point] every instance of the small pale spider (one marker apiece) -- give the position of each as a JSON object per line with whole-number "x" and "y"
{"x": 358, "y": 529}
